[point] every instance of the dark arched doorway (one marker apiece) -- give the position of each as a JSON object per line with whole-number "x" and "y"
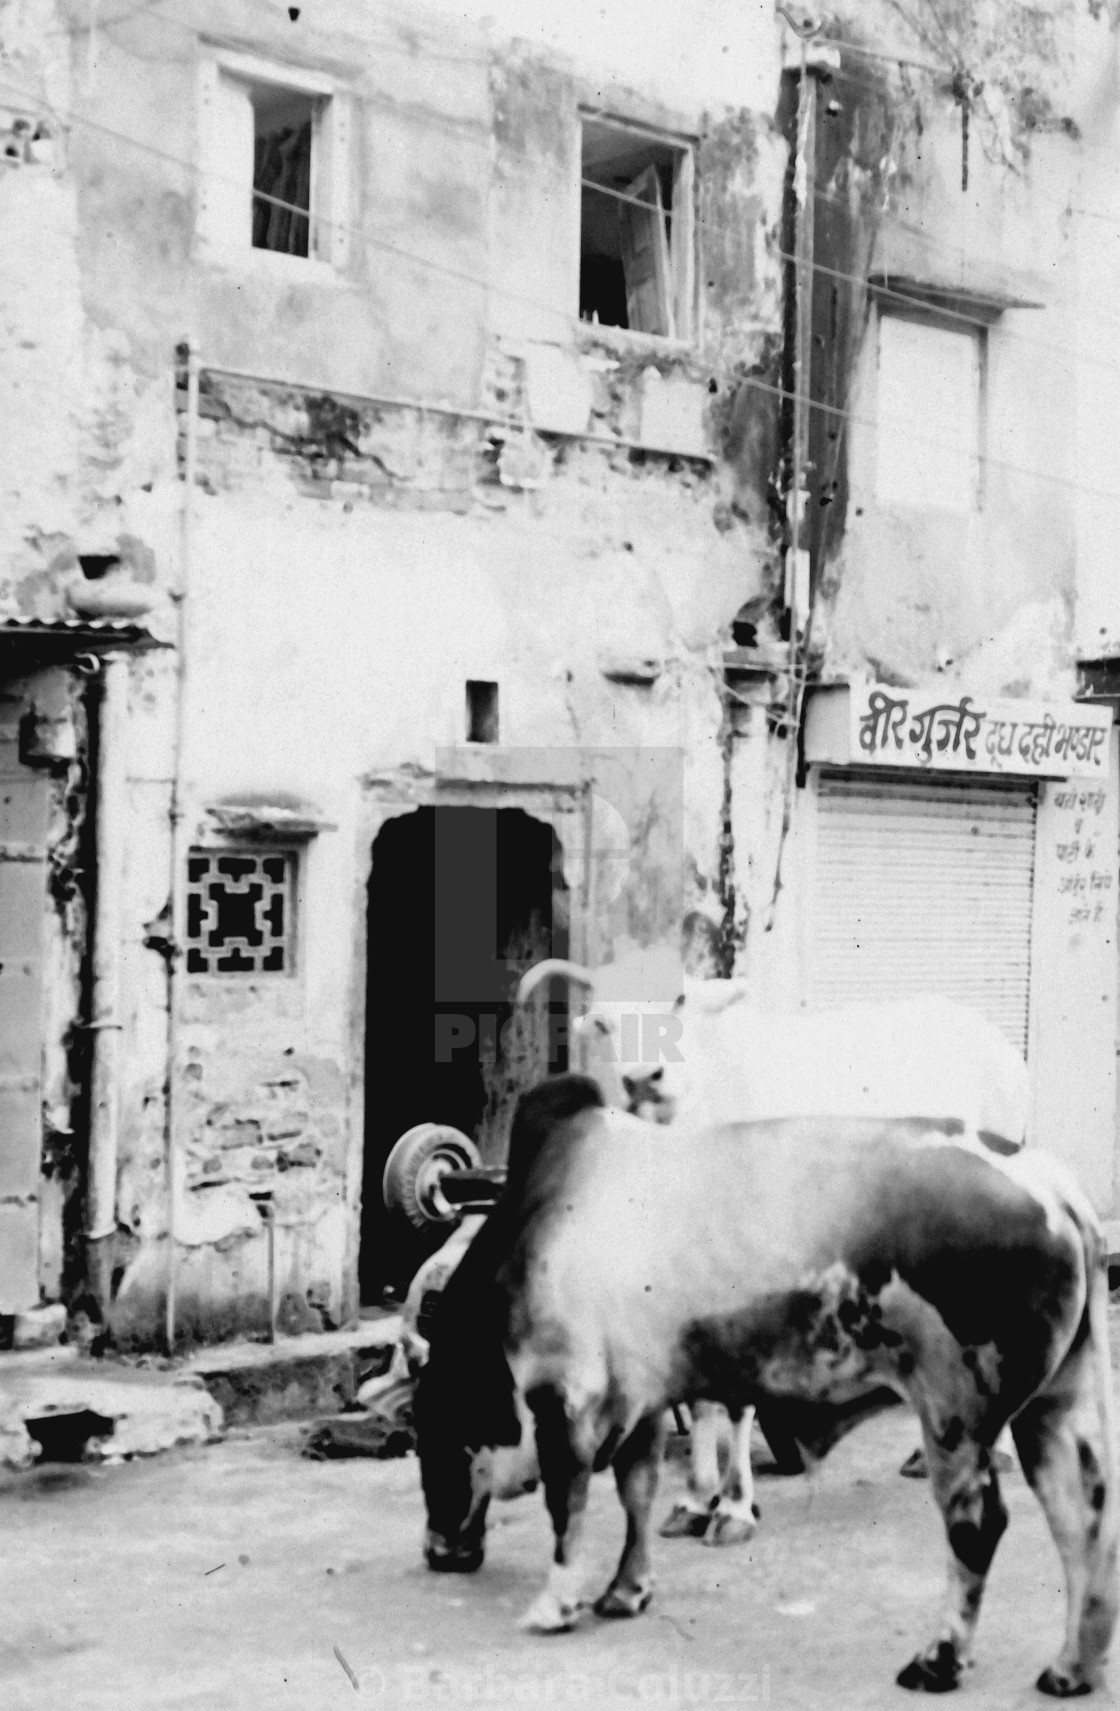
{"x": 461, "y": 902}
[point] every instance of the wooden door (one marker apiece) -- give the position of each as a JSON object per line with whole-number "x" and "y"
{"x": 24, "y": 811}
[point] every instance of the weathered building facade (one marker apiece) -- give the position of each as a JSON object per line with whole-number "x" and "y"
{"x": 409, "y": 417}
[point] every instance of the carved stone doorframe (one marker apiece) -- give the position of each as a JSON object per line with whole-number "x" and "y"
{"x": 562, "y": 803}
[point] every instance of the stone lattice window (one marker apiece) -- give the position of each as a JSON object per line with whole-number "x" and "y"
{"x": 239, "y": 911}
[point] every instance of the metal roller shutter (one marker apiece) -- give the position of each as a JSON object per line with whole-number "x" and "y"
{"x": 924, "y": 887}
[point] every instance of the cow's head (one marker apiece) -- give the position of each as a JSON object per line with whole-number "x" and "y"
{"x": 474, "y": 1433}
{"x": 460, "y": 1474}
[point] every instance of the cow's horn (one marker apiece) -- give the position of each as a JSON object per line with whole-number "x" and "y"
{"x": 553, "y": 965}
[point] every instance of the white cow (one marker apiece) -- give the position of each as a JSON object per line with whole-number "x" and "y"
{"x": 713, "y": 1056}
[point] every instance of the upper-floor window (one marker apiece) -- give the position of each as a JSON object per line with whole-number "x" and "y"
{"x": 929, "y": 414}
{"x": 636, "y": 230}
{"x": 272, "y": 162}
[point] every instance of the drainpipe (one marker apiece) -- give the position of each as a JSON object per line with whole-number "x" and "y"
{"x": 804, "y": 190}
{"x": 798, "y": 586}
{"x": 112, "y": 806}
{"x": 177, "y": 855}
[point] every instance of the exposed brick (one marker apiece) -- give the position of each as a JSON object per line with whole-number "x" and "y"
{"x": 305, "y": 1153}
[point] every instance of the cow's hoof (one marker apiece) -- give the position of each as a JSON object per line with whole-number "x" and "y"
{"x": 725, "y": 1529}
{"x": 455, "y": 1562}
{"x": 936, "y": 1671}
{"x": 914, "y": 1467}
{"x": 685, "y": 1523}
{"x": 622, "y": 1600}
{"x": 1063, "y": 1683}
{"x": 550, "y": 1615}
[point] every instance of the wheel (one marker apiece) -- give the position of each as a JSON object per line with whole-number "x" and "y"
{"x": 415, "y": 1166}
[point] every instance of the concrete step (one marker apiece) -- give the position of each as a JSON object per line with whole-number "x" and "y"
{"x": 295, "y": 1378}
{"x": 61, "y": 1404}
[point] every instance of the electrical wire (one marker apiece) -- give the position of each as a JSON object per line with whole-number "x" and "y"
{"x": 841, "y": 414}
{"x": 488, "y": 285}
{"x": 394, "y": 44}
{"x": 350, "y": 227}
{"x": 94, "y": 22}
{"x": 842, "y": 72}
{"x": 464, "y": 130}
{"x": 386, "y": 42}
{"x": 432, "y": 52}
{"x": 845, "y": 74}
{"x": 957, "y": 316}
{"x": 908, "y": 299}
{"x": 884, "y": 58}
{"x": 904, "y": 298}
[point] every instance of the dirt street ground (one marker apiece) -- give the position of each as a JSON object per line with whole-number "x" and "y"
{"x": 244, "y": 1577}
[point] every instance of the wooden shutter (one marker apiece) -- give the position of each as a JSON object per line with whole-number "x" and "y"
{"x": 645, "y": 258}
{"x": 330, "y": 182}
{"x": 225, "y": 161}
{"x": 924, "y": 887}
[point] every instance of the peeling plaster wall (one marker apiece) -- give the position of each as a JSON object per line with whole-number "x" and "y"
{"x": 1095, "y": 247}
{"x": 906, "y": 594}
{"x": 998, "y": 602}
{"x": 406, "y": 605}
{"x": 354, "y": 563}
{"x": 991, "y": 594}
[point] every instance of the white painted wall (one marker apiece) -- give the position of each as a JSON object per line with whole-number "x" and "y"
{"x": 1074, "y": 977}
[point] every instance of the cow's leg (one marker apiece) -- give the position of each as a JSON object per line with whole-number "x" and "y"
{"x": 689, "y": 1516}
{"x": 967, "y": 1492}
{"x": 635, "y": 1471}
{"x": 914, "y": 1467}
{"x": 736, "y": 1513}
{"x": 566, "y": 1475}
{"x": 1065, "y": 1442}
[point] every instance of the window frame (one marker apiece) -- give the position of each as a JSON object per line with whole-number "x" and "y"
{"x": 918, "y": 314}
{"x": 683, "y": 244}
{"x": 329, "y": 219}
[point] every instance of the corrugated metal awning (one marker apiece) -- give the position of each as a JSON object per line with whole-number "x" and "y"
{"x": 57, "y": 640}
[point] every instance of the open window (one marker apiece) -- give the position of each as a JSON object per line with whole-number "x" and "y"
{"x": 284, "y": 122}
{"x": 272, "y": 158}
{"x": 636, "y": 230}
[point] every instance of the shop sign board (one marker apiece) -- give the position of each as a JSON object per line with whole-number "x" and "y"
{"x": 967, "y": 733}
